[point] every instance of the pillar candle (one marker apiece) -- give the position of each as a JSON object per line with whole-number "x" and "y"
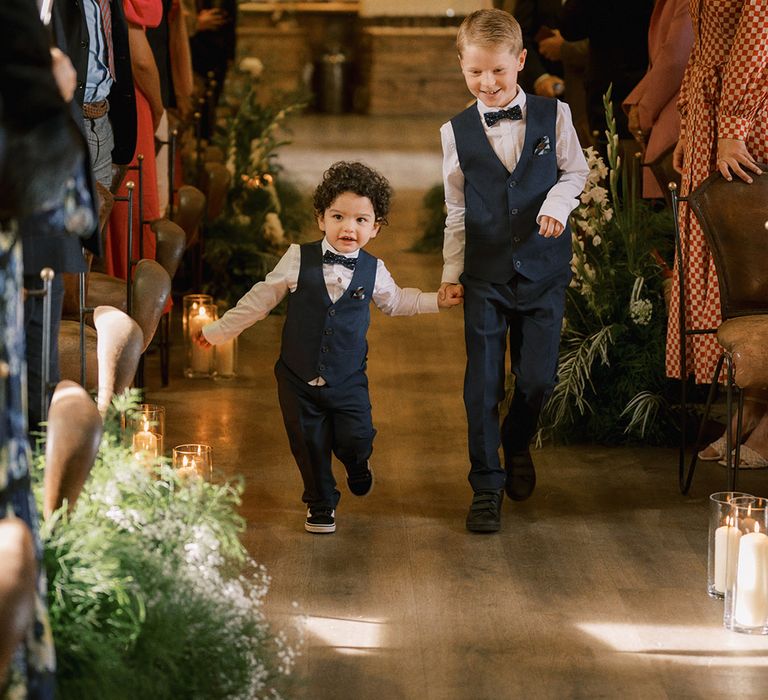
{"x": 726, "y": 555}
{"x": 200, "y": 357}
{"x": 751, "y": 589}
{"x": 225, "y": 358}
{"x": 145, "y": 442}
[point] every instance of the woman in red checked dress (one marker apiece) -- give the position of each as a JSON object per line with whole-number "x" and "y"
{"x": 140, "y": 14}
{"x": 724, "y": 127}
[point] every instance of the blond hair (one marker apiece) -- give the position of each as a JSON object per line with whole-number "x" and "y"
{"x": 490, "y": 29}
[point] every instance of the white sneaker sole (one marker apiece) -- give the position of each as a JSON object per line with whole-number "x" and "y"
{"x": 320, "y": 529}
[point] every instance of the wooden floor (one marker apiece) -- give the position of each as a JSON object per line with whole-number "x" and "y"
{"x": 594, "y": 588}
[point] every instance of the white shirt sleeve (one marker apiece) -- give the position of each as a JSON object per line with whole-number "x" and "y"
{"x": 453, "y": 182}
{"x": 563, "y": 198}
{"x": 400, "y": 301}
{"x": 259, "y": 300}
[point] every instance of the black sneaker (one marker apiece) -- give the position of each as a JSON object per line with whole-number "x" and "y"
{"x": 485, "y": 512}
{"x": 521, "y": 475}
{"x": 361, "y": 482}
{"x": 320, "y": 520}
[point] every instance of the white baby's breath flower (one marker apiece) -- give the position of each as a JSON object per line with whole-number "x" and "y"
{"x": 251, "y": 65}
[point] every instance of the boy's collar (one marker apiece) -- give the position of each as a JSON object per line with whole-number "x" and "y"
{"x": 327, "y": 246}
{"x": 519, "y": 101}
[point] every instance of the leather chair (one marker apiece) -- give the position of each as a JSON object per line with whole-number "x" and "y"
{"x": 171, "y": 243}
{"x": 71, "y": 445}
{"x": 732, "y": 217}
{"x": 17, "y": 588}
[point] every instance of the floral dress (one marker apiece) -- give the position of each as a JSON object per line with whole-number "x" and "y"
{"x": 724, "y": 95}
{"x": 31, "y": 675}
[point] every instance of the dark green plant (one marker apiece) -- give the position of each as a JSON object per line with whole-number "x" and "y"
{"x": 151, "y": 593}
{"x": 432, "y": 221}
{"x": 612, "y": 386}
{"x": 263, "y": 212}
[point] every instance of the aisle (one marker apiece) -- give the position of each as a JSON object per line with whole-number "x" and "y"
{"x": 595, "y": 588}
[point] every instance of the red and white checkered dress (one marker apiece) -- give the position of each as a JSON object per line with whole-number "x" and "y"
{"x": 724, "y": 95}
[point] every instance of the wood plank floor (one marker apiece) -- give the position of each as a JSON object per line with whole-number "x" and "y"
{"x": 594, "y": 588}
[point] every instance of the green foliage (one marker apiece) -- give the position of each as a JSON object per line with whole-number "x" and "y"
{"x": 263, "y": 212}
{"x": 432, "y": 221}
{"x": 152, "y": 594}
{"x": 612, "y": 386}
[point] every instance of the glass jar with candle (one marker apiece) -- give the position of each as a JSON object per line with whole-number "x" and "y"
{"x": 193, "y": 460}
{"x": 746, "y": 596}
{"x": 723, "y": 545}
{"x": 146, "y": 427}
{"x": 189, "y": 305}
{"x": 226, "y": 359}
{"x": 199, "y": 359}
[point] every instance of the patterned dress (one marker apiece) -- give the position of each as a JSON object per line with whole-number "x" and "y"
{"x": 32, "y": 669}
{"x": 724, "y": 95}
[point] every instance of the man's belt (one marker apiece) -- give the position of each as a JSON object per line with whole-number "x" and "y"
{"x": 95, "y": 110}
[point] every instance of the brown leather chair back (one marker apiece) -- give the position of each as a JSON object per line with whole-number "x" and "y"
{"x": 216, "y": 183}
{"x": 732, "y": 216}
{"x": 171, "y": 242}
{"x": 190, "y": 211}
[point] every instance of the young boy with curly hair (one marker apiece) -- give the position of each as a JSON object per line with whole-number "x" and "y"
{"x": 321, "y": 379}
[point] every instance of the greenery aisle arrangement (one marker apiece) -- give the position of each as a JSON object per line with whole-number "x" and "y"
{"x": 612, "y": 386}
{"x": 152, "y": 595}
{"x": 263, "y": 211}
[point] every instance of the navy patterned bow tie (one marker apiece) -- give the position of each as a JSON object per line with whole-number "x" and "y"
{"x": 492, "y": 117}
{"x": 330, "y": 258}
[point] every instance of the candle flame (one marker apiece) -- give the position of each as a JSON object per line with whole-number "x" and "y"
{"x": 184, "y": 461}
{"x": 202, "y": 311}
{"x": 146, "y": 425}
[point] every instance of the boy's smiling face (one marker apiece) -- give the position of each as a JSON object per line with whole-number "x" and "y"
{"x": 491, "y": 73}
{"x": 349, "y": 222}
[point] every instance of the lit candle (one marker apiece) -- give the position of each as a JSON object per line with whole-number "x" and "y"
{"x": 200, "y": 357}
{"x": 751, "y": 594}
{"x": 726, "y": 555}
{"x": 225, "y": 358}
{"x": 188, "y": 469}
{"x": 145, "y": 442}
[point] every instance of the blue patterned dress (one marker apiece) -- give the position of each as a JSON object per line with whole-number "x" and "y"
{"x": 31, "y": 675}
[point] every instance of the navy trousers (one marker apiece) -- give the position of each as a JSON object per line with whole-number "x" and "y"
{"x": 325, "y": 420}
{"x": 527, "y": 315}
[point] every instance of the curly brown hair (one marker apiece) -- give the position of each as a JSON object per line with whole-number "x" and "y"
{"x": 359, "y": 179}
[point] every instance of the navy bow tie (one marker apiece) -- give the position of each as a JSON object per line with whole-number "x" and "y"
{"x": 513, "y": 113}
{"x": 330, "y": 258}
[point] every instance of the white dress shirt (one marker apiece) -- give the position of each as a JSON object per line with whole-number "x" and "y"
{"x": 506, "y": 138}
{"x": 265, "y": 296}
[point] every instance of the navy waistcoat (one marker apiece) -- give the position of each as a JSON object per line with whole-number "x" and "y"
{"x": 323, "y": 339}
{"x": 502, "y": 236}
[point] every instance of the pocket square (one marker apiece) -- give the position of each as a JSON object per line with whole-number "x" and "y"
{"x": 359, "y": 293}
{"x": 542, "y": 146}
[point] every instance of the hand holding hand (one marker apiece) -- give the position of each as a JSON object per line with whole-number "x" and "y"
{"x": 549, "y": 86}
{"x": 199, "y": 339}
{"x": 449, "y": 295}
{"x": 211, "y": 19}
{"x": 551, "y": 47}
{"x": 550, "y": 228}
{"x": 732, "y": 154}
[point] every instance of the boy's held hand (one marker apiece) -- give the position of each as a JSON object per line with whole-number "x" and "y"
{"x": 199, "y": 339}
{"x": 449, "y": 295}
{"x": 549, "y": 227}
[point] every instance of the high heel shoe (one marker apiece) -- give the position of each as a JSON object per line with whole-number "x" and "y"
{"x": 718, "y": 446}
{"x": 748, "y": 459}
